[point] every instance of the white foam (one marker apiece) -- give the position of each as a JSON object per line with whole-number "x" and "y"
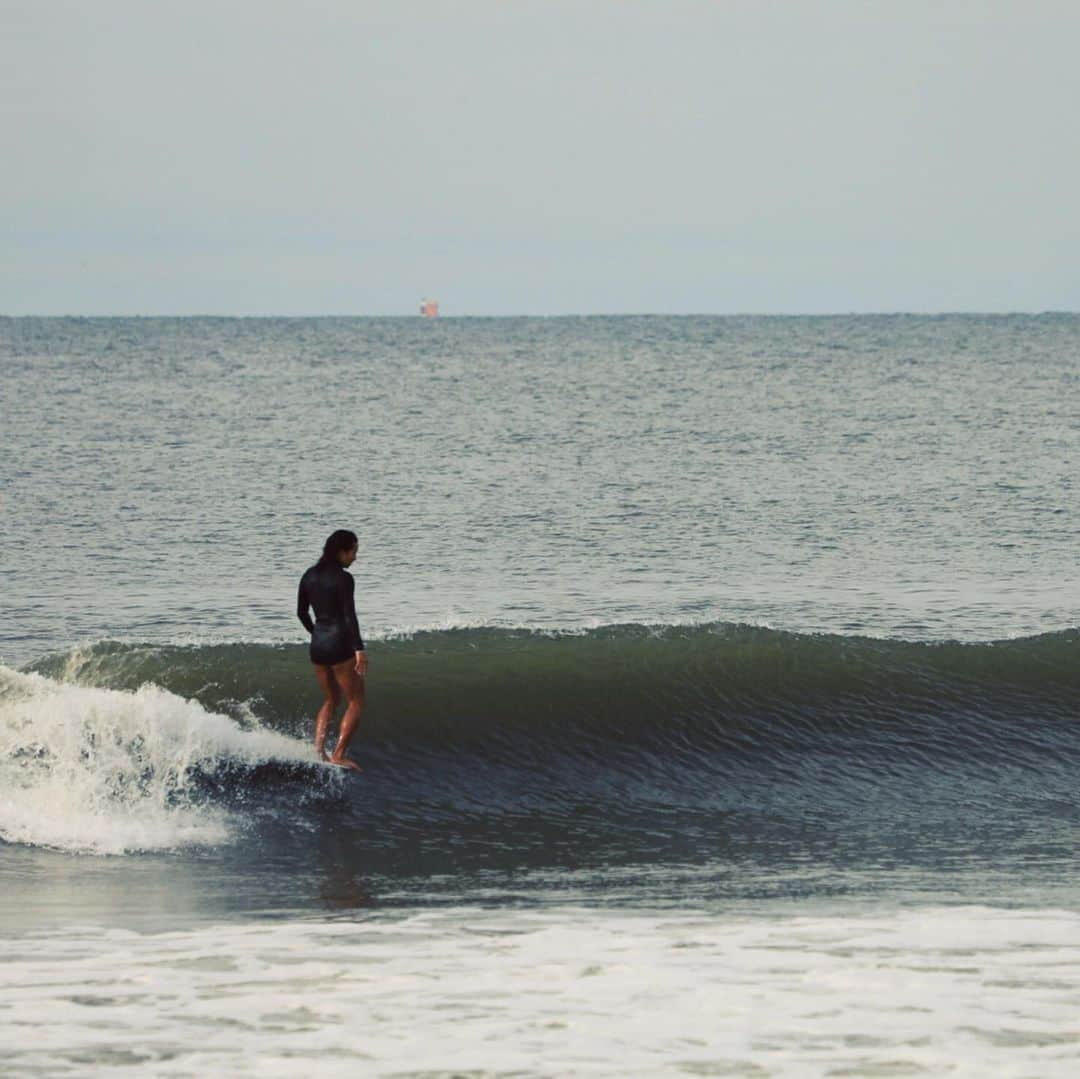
{"x": 972, "y": 991}
{"x": 106, "y": 771}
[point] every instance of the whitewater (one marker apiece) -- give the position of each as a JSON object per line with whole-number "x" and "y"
{"x": 964, "y": 991}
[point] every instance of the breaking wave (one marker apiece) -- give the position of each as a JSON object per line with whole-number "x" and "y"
{"x": 516, "y": 736}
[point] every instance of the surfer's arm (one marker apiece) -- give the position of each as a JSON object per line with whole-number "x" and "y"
{"x": 303, "y": 605}
{"x": 351, "y": 623}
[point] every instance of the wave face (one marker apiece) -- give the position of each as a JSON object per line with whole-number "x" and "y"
{"x": 624, "y": 738}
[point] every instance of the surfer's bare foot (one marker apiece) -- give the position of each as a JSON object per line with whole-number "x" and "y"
{"x": 344, "y": 762}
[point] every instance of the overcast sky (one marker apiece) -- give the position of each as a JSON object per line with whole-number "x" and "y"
{"x": 538, "y": 156}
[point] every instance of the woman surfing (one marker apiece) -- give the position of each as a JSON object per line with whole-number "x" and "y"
{"x": 337, "y": 649}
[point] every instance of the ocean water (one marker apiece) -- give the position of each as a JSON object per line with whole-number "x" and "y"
{"x": 723, "y": 707}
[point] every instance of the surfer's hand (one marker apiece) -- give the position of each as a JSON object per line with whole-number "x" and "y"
{"x": 361, "y": 663}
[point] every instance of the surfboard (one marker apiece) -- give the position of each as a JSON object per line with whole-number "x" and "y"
{"x": 339, "y": 767}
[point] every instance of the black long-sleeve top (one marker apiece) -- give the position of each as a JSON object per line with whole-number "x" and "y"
{"x": 328, "y": 590}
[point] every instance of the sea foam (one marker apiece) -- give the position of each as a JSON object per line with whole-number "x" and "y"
{"x": 108, "y": 771}
{"x": 932, "y": 990}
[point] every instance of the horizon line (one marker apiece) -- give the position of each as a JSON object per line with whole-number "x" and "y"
{"x": 899, "y": 313}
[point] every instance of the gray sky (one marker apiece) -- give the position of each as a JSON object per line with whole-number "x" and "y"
{"x": 527, "y": 157}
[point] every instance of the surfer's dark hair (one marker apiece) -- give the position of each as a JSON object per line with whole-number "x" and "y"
{"x": 336, "y": 542}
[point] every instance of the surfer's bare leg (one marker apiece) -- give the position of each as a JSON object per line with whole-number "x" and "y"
{"x": 352, "y": 686}
{"x": 325, "y": 716}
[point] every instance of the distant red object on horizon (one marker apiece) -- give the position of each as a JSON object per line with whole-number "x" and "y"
{"x": 429, "y": 308}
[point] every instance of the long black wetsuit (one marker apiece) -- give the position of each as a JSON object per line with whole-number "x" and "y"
{"x": 335, "y": 633}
